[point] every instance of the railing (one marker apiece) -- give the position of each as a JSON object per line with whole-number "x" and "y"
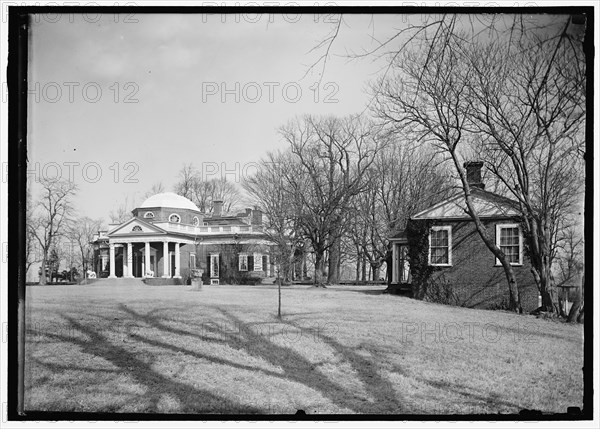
{"x": 198, "y": 230}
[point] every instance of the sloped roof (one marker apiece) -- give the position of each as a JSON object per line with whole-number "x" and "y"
{"x": 400, "y": 237}
{"x": 169, "y": 199}
{"x": 486, "y": 204}
{"x": 146, "y": 227}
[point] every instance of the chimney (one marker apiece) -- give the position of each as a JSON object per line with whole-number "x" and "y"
{"x": 474, "y": 174}
{"x": 248, "y": 211}
{"x": 217, "y": 208}
{"x": 256, "y": 216}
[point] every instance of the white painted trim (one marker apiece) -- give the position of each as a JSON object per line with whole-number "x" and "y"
{"x": 500, "y": 226}
{"x": 441, "y": 228}
{"x": 395, "y": 263}
{"x": 257, "y": 256}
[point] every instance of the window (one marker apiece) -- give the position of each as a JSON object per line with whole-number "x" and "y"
{"x": 192, "y": 260}
{"x": 214, "y": 265}
{"x": 258, "y": 262}
{"x": 174, "y": 218}
{"x": 243, "y": 265}
{"x": 440, "y": 245}
{"x": 509, "y": 240}
{"x": 149, "y": 215}
{"x": 196, "y": 221}
{"x": 136, "y": 228}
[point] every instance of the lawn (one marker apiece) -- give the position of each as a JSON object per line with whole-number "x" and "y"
{"x": 171, "y": 349}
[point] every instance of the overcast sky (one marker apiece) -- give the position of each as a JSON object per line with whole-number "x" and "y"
{"x": 132, "y": 98}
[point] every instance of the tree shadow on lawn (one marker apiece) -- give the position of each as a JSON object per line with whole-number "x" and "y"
{"x": 475, "y": 400}
{"x": 295, "y": 367}
{"x": 157, "y": 385}
{"x": 299, "y": 369}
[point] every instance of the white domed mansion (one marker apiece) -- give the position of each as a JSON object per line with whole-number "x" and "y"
{"x": 168, "y": 236}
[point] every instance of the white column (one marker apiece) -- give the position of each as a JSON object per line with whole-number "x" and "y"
{"x": 177, "y": 259}
{"x": 146, "y": 258}
{"x": 166, "y": 273}
{"x": 268, "y": 267}
{"x": 124, "y": 260}
{"x": 395, "y": 263}
{"x": 129, "y": 260}
{"x": 112, "y": 261}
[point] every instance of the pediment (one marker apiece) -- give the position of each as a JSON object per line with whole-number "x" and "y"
{"x": 136, "y": 226}
{"x": 456, "y": 208}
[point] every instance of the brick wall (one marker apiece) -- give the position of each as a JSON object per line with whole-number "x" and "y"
{"x": 475, "y": 278}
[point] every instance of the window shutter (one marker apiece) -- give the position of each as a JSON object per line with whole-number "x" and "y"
{"x": 250, "y": 262}
{"x": 264, "y": 263}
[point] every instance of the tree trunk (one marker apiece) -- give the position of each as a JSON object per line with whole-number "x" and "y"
{"x": 357, "y": 278}
{"x": 376, "y": 268}
{"x": 319, "y": 268}
{"x": 304, "y": 266}
{"x": 513, "y": 289}
{"x": 333, "y": 276}
{"x": 574, "y": 312}
{"x": 363, "y": 269}
{"x": 43, "y": 272}
{"x": 514, "y": 298}
{"x": 279, "y": 294}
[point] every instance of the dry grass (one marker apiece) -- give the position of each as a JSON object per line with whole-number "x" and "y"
{"x": 337, "y": 350}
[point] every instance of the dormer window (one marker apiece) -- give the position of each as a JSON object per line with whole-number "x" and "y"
{"x": 175, "y": 218}
{"x": 196, "y": 221}
{"x": 136, "y": 228}
{"x": 148, "y": 215}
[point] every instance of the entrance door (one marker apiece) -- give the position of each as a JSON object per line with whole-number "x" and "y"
{"x": 404, "y": 265}
{"x": 119, "y": 263}
{"x": 137, "y": 264}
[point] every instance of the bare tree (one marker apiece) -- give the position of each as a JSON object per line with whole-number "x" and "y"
{"x": 404, "y": 179}
{"x": 331, "y": 157}
{"x": 429, "y": 96}
{"x": 520, "y": 101}
{"x": 188, "y": 178}
{"x": 122, "y": 213}
{"x": 32, "y": 253}
{"x": 51, "y": 216}
{"x": 537, "y": 68}
{"x": 271, "y": 195}
{"x": 157, "y": 188}
{"x": 81, "y": 233}
{"x": 529, "y": 110}
{"x": 204, "y": 192}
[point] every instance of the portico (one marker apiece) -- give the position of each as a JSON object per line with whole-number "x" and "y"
{"x": 142, "y": 258}
{"x": 400, "y": 264}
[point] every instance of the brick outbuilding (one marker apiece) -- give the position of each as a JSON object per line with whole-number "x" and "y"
{"x": 441, "y": 255}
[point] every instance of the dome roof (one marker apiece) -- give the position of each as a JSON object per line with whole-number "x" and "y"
{"x": 169, "y": 199}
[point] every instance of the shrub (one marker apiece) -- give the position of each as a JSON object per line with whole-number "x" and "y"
{"x": 440, "y": 291}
